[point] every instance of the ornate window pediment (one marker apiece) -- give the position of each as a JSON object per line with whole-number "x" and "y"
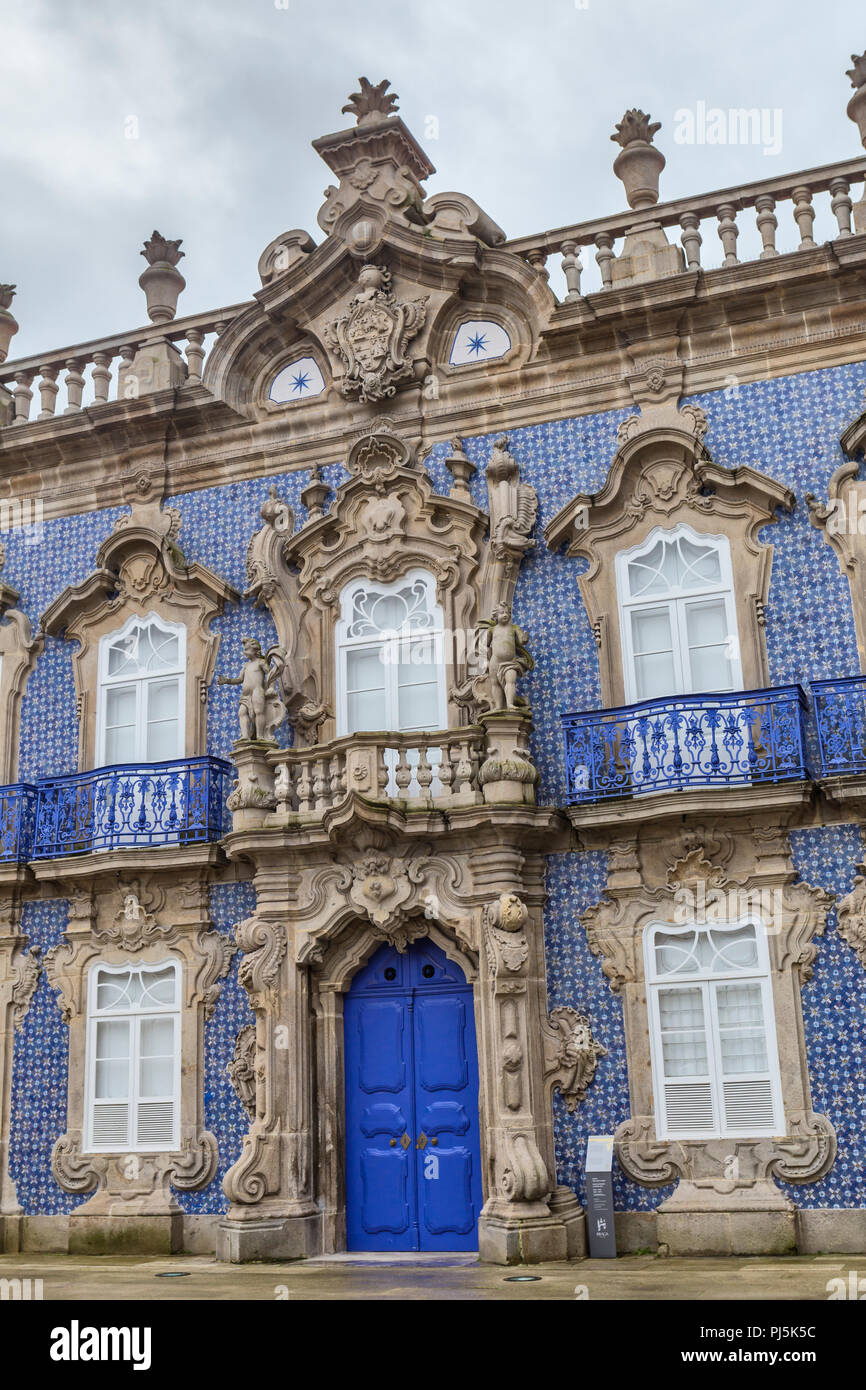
{"x": 386, "y": 523}
{"x": 141, "y": 577}
{"x": 661, "y": 479}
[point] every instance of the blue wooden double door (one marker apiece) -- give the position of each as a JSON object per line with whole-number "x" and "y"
{"x": 413, "y": 1163}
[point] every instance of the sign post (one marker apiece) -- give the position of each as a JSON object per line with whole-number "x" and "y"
{"x": 599, "y": 1198}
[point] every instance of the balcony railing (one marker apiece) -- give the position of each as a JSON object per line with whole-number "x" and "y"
{"x": 180, "y": 802}
{"x": 419, "y": 769}
{"x": 740, "y": 739}
{"x": 17, "y": 818}
{"x": 840, "y": 720}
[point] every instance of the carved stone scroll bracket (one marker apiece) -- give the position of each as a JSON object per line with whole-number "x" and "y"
{"x": 727, "y": 1173}
{"x": 73, "y": 1170}
{"x": 571, "y": 1054}
{"x": 197, "y": 1164}
{"x": 264, "y": 944}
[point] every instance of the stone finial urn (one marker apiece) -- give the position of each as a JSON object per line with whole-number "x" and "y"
{"x": 8, "y": 322}
{"x": 639, "y": 163}
{"x": 162, "y": 282}
{"x": 857, "y": 105}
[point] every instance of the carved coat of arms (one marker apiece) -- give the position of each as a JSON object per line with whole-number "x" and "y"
{"x": 372, "y": 336}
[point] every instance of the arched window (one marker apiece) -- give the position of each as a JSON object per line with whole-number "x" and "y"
{"x": 390, "y": 657}
{"x": 133, "y": 1064}
{"x": 677, "y": 616}
{"x": 715, "y": 1060}
{"x": 142, "y": 688}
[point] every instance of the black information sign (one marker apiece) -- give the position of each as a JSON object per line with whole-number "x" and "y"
{"x": 599, "y": 1198}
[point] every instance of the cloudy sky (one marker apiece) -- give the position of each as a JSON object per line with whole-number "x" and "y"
{"x": 196, "y": 116}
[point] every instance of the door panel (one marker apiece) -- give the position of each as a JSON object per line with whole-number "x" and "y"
{"x": 413, "y": 1166}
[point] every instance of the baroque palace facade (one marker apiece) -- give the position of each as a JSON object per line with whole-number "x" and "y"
{"x": 434, "y": 731}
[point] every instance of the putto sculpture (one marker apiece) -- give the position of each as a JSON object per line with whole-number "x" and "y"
{"x": 507, "y": 659}
{"x": 262, "y": 708}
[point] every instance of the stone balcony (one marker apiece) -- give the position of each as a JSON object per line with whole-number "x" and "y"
{"x": 415, "y": 774}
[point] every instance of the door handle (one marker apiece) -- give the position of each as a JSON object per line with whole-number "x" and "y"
{"x": 421, "y": 1141}
{"x": 405, "y": 1141}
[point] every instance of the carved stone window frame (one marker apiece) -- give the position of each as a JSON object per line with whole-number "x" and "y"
{"x": 662, "y": 476}
{"x": 665, "y": 880}
{"x": 384, "y": 522}
{"x": 149, "y": 922}
{"x": 141, "y": 571}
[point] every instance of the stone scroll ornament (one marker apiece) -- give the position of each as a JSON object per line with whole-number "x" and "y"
{"x": 262, "y": 708}
{"x": 571, "y": 1054}
{"x": 372, "y": 336}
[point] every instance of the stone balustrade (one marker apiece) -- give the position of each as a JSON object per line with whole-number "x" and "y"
{"x": 792, "y": 197}
{"x": 438, "y": 770}
{"x": 51, "y": 384}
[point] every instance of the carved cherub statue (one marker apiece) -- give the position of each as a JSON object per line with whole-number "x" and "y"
{"x": 507, "y": 658}
{"x": 262, "y": 708}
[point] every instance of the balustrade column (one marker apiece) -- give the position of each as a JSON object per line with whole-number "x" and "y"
{"x": 728, "y": 232}
{"x": 804, "y": 215}
{"x": 841, "y": 205}
{"x": 22, "y": 395}
{"x": 48, "y": 389}
{"x": 74, "y": 383}
{"x": 767, "y": 224}
{"x": 538, "y": 261}
{"x": 605, "y": 257}
{"x": 572, "y": 268}
{"x": 194, "y": 356}
{"x": 101, "y": 376}
{"x": 691, "y": 239}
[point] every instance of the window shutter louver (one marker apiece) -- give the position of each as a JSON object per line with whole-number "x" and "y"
{"x": 748, "y": 1105}
{"x": 111, "y": 1124}
{"x": 156, "y": 1124}
{"x": 689, "y": 1106}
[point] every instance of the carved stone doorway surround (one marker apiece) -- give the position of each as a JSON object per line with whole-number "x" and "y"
{"x": 323, "y": 909}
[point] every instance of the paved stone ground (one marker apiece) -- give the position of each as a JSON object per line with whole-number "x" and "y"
{"x": 440, "y": 1277}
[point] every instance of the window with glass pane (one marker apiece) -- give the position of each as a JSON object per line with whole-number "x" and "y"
{"x": 133, "y": 1063}
{"x": 391, "y": 657}
{"x": 141, "y": 697}
{"x": 715, "y": 1062}
{"x": 678, "y": 617}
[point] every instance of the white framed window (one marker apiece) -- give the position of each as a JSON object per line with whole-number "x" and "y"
{"x": 677, "y": 616}
{"x": 390, "y": 657}
{"x": 133, "y": 1061}
{"x": 142, "y": 693}
{"x": 715, "y": 1060}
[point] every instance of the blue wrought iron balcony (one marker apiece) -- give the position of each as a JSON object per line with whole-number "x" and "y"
{"x": 179, "y": 802}
{"x": 840, "y": 719}
{"x": 17, "y": 818}
{"x": 741, "y": 739}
